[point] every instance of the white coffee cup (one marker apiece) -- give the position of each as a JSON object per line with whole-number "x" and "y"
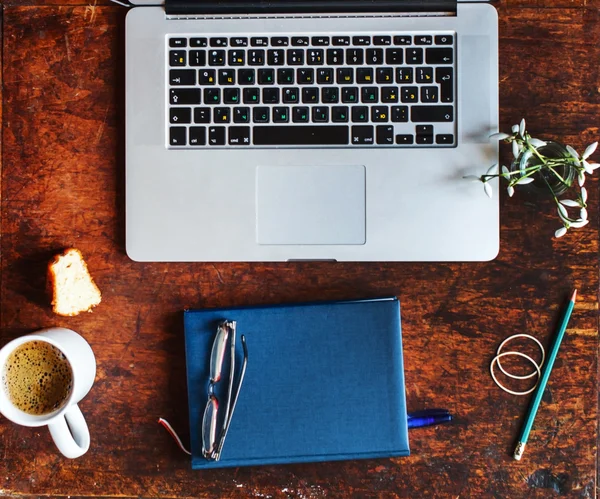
{"x": 73, "y": 440}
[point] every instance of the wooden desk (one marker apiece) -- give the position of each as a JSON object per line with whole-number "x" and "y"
{"x": 63, "y": 185}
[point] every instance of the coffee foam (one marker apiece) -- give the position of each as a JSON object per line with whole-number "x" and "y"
{"x": 37, "y": 378}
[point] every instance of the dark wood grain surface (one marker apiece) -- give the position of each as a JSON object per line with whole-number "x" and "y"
{"x": 63, "y": 185}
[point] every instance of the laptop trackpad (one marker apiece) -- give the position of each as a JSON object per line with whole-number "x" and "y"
{"x": 310, "y": 204}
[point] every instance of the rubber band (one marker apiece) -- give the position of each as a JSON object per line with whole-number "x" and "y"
{"x": 525, "y": 376}
{"x": 171, "y": 431}
{"x": 519, "y": 354}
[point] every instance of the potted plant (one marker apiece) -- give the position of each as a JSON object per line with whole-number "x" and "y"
{"x": 549, "y": 167}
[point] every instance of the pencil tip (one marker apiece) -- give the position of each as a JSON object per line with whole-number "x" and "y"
{"x": 574, "y": 295}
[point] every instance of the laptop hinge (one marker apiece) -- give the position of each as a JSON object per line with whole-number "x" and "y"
{"x": 235, "y": 7}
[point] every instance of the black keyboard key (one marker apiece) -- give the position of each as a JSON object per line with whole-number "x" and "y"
{"x": 345, "y": 76}
{"x": 404, "y": 75}
{"x": 266, "y": 76}
{"x": 280, "y": 41}
{"x": 439, "y": 56}
{"x": 350, "y": 95}
{"x": 320, "y": 114}
{"x": 251, "y": 95}
{"x": 382, "y": 40}
{"x": 216, "y": 135}
{"x": 260, "y": 115}
{"x": 389, "y": 94}
{"x": 300, "y": 135}
{"x": 429, "y": 94}
{"x": 335, "y": 57}
{"x": 364, "y": 75}
{"x": 241, "y": 115}
{"x": 400, "y": 114}
{"x": 305, "y": 76}
{"x": 446, "y": 138}
{"x": 281, "y": 114}
{"x": 339, "y": 114}
{"x": 394, "y": 56}
{"x": 423, "y": 40}
{"x": 198, "y": 42}
{"x": 259, "y": 41}
{"x": 212, "y": 96}
{"x": 385, "y": 135}
{"x": 295, "y": 57}
{"x": 354, "y": 56}
{"x": 300, "y": 114}
{"x": 361, "y": 40}
{"x": 410, "y": 94}
{"x": 325, "y": 76}
{"x": 207, "y": 77}
{"x": 385, "y": 75}
{"x": 246, "y": 76}
{"x": 374, "y": 56}
{"x": 370, "y": 95}
{"x": 424, "y": 75}
{"x": 237, "y": 57}
{"x": 424, "y": 129}
{"x": 231, "y": 95}
{"x": 177, "y": 42}
{"x": 291, "y": 95}
{"x": 239, "y": 41}
{"x": 184, "y": 96}
{"x": 285, "y": 76}
{"x": 445, "y": 77}
{"x": 216, "y": 57}
{"x": 424, "y": 139}
{"x": 340, "y": 41}
{"x": 414, "y": 56}
{"x": 179, "y": 115}
{"x": 202, "y": 115}
{"x": 270, "y": 96}
{"x": 226, "y": 76}
{"x": 402, "y": 40}
{"x": 444, "y": 39}
{"x": 177, "y": 57}
{"x": 330, "y": 95}
{"x": 197, "y": 58}
{"x": 197, "y": 136}
{"x": 380, "y": 114}
{"x": 362, "y": 135}
{"x": 218, "y": 42}
{"x": 276, "y": 57}
{"x": 256, "y": 57}
{"x": 182, "y": 77}
{"x": 320, "y": 41}
{"x": 239, "y": 136}
{"x": 360, "y": 114}
{"x": 300, "y": 41}
{"x": 310, "y": 95}
{"x": 314, "y": 57}
{"x": 432, "y": 114}
{"x": 404, "y": 140}
{"x": 222, "y": 115}
{"x": 177, "y": 135}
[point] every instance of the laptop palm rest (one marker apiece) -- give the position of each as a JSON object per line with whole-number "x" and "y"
{"x": 310, "y": 204}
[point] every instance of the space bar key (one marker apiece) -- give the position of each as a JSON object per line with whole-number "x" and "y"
{"x": 300, "y": 135}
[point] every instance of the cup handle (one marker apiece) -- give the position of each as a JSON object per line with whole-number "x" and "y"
{"x": 72, "y": 439}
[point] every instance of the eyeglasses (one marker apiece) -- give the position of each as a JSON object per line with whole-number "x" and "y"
{"x": 211, "y": 444}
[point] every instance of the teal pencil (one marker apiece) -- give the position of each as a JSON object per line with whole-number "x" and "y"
{"x": 539, "y": 391}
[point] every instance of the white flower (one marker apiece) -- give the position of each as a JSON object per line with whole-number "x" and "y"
{"x": 581, "y": 178}
{"x": 583, "y": 214}
{"x": 505, "y": 172}
{"x": 586, "y": 167}
{"x": 515, "y": 149}
{"x": 560, "y": 232}
{"x": 522, "y": 127}
{"x": 573, "y": 153}
{"x": 524, "y": 180}
{"x": 488, "y": 189}
{"x": 579, "y": 223}
{"x": 570, "y": 203}
{"x": 563, "y": 211}
{"x": 589, "y": 150}
{"x": 584, "y": 194}
{"x": 594, "y": 166}
{"x": 492, "y": 170}
{"x": 472, "y": 177}
{"x": 511, "y": 190}
{"x": 515, "y": 128}
{"x": 499, "y": 136}
{"x": 537, "y": 143}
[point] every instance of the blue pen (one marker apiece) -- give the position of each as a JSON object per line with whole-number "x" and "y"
{"x": 428, "y": 417}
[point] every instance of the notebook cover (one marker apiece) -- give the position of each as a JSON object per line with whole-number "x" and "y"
{"x": 324, "y": 382}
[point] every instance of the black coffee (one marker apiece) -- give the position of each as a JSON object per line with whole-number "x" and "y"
{"x": 37, "y": 378}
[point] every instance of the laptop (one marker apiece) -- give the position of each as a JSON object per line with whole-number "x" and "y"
{"x": 299, "y": 130}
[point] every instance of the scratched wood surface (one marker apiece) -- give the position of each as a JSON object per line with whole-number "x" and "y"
{"x": 63, "y": 185}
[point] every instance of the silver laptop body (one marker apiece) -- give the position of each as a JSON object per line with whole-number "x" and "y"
{"x": 204, "y": 184}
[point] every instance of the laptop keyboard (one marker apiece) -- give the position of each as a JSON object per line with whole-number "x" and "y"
{"x": 359, "y": 90}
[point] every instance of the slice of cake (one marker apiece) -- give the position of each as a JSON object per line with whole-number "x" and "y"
{"x": 72, "y": 287}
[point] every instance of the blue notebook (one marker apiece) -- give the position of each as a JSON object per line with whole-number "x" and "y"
{"x": 324, "y": 382}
